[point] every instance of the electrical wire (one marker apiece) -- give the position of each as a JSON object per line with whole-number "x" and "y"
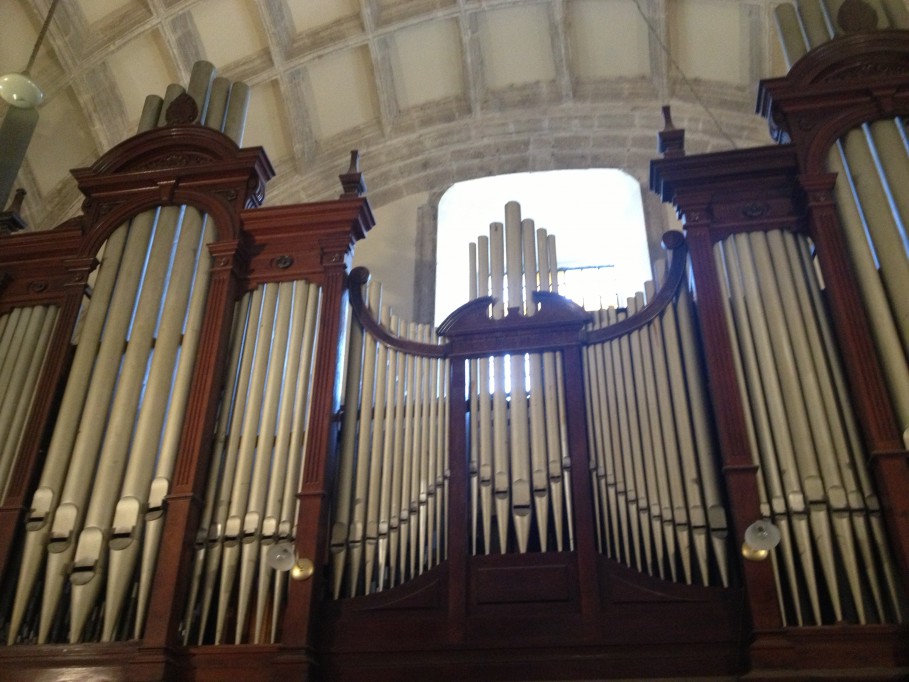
{"x": 665, "y": 49}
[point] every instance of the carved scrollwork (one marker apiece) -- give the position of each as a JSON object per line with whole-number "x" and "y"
{"x": 182, "y": 110}
{"x": 868, "y": 70}
{"x": 229, "y": 195}
{"x": 755, "y": 209}
{"x": 255, "y": 192}
{"x": 332, "y": 258}
{"x": 806, "y": 122}
{"x": 173, "y": 160}
{"x": 106, "y": 207}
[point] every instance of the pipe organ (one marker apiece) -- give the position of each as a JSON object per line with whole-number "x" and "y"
{"x": 222, "y": 455}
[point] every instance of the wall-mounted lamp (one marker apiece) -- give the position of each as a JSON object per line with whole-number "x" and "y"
{"x": 282, "y": 556}
{"x": 760, "y": 537}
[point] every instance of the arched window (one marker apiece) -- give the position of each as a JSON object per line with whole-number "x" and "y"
{"x": 596, "y": 216}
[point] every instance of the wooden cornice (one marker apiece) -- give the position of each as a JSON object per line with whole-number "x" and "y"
{"x": 186, "y": 164}
{"x": 299, "y": 240}
{"x": 741, "y": 190}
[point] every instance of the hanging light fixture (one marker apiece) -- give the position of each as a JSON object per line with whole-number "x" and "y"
{"x": 18, "y": 88}
{"x": 24, "y": 96}
{"x": 20, "y": 91}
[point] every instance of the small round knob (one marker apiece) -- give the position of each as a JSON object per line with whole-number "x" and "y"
{"x": 303, "y": 569}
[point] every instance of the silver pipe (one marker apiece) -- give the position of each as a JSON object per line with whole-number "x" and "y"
{"x": 207, "y": 533}
{"x": 341, "y": 513}
{"x": 383, "y": 430}
{"x": 239, "y": 399}
{"x": 93, "y": 521}
{"x": 267, "y": 454}
{"x": 366, "y": 434}
{"x": 778, "y": 480}
{"x": 501, "y": 473}
{"x": 661, "y": 420}
{"x": 68, "y": 516}
{"x": 122, "y": 518}
{"x": 33, "y": 360}
{"x": 239, "y": 491}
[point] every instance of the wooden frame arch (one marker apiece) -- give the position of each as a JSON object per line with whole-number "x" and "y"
{"x": 181, "y": 165}
{"x": 834, "y": 88}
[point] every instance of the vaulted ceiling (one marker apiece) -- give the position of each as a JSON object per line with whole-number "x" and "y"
{"x": 430, "y": 91}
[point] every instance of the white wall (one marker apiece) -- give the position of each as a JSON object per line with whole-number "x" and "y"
{"x": 390, "y": 254}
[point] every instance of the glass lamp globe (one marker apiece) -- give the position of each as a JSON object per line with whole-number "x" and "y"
{"x": 20, "y": 91}
{"x": 760, "y": 537}
{"x": 280, "y": 556}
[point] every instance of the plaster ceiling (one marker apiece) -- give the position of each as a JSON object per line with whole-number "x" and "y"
{"x": 331, "y": 75}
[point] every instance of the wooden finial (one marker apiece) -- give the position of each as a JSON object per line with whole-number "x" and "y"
{"x": 352, "y": 181}
{"x": 856, "y": 15}
{"x": 183, "y": 110}
{"x": 10, "y": 220}
{"x": 671, "y": 140}
{"x": 16, "y": 204}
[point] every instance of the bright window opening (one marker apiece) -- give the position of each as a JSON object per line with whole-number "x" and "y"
{"x": 596, "y": 216}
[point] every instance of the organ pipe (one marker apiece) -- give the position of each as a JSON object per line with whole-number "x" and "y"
{"x": 43, "y": 501}
{"x": 391, "y": 434}
{"x": 74, "y": 488}
{"x": 236, "y": 494}
{"x": 656, "y": 484}
{"x": 553, "y": 397}
{"x": 811, "y": 483}
{"x": 249, "y": 505}
{"x": 160, "y": 484}
{"x": 654, "y": 498}
{"x": 484, "y": 416}
{"x": 519, "y": 445}
{"x": 24, "y": 338}
{"x": 500, "y": 469}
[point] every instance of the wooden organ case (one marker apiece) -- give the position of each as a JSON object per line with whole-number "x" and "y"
{"x": 747, "y": 385}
